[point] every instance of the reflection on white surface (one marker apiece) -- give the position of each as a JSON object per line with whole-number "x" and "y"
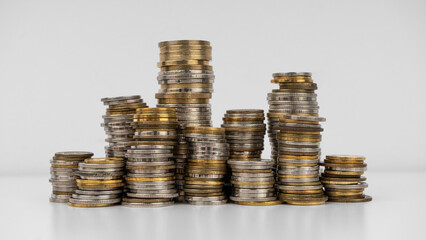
{"x": 27, "y": 214}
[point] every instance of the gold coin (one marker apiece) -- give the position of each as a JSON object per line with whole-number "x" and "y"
{"x": 89, "y": 181}
{"x": 183, "y": 101}
{"x": 148, "y": 179}
{"x": 187, "y": 68}
{"x": 182, "y": 62}
{"x": 333, "y": 172}
{"x": 243, "y": 119}
{"x": 305, "y": 203}
{"x": 187, "y": 52}
{"x": 267, "y": 203}
{"x": 298, "y": 157}
{"x": 298, "y": 139}
{"x": 345, "y": 157}
{"x": 302, "y": 191}
{"x": 90, "y": 205}
{"x": 104, "y": 160}
{"x": 178, "y": 48}
{"x": 236, "y": 129}
{"x": 184, "y": 42}
{"x": 252, "y": 170}
{"x": 207, "y": 161}
{"x": 204, "y": 182}
{"x": 205, "y": 130}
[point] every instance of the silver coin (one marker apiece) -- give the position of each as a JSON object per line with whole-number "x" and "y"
{"x": 252, "y": 199}
{"x": 298, "y": 180}
{"x": 291, "y": 74}
{"x": 361, "y": 185}
{"x": 185, "y": 80}
{"x": 218, "y": 202}
{"x": 136, "y": 195}
{"x": 87, "y": 202}
{"x": 146, "y": 205}
{"x": 253, "y": 175}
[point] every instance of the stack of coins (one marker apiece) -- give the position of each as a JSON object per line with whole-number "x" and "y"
{"x": 295, "y": 96}
{"x": 99, "y": 183}
{"x": 245, "y": 131}
{"x": 253, "y": 182}
{"x": 206, "y": 167}
{"x": 342, "y": 178}
{"x": 64, "y": 166}
{"x": 298, "y": 161}
{"x": 150, "y": 168}
{"x": 117, "y": 123}
{"x": 186, "y": 80}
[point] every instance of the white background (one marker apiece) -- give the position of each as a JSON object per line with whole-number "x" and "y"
{"x": 59, "y": 58}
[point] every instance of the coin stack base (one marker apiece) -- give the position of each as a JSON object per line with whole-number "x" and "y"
{"x": 206, "y": 168}
{"x": 63, "y": 170}
{"x": 99, "y": 182}
{"x": 342, "y": 178}
{"x": 151, "y": 170}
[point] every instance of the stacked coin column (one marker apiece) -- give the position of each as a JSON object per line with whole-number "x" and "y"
{"x": 63, "y": 170}
{"x": 186, "y": 80}
{"x": 100, "y": 183}
{"x": 299, "y": 152}
{"x": 206, "y": 167}
{"x": 252, "y": 178}
{"x": 117, "y": 123}
{"x": 151, "y": 169}
{"x": 342, "y": 178}
{"x": 296, "y": 95}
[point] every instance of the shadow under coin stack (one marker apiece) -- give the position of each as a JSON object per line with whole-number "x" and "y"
{"x": 186, "y": 80}
{"x": 206, "y": 167}
{"x": 63, "y": 169}
{"x": 117, "y": 123}
{"x": 99, "y": 183}
{"x": 296, "y": 95}
{"x": 298, "y": 161}
{"x": 342, "y": 178}
{"x": 150, "y": 167}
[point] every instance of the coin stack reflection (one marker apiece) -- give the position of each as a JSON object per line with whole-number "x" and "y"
{"x": 63, "y": 168}
{"x": 206, "y": 168}
{"x": 186, "y": 80}
{"x": 117, "y": 123}
{"x": 151, "y": 169}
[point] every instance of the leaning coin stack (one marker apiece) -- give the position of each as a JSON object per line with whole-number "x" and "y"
{"x": 150, "y": 168}
{"x": 117, "y": 123}
{"x": 342, "y": 178}
{"x": 245, "y": 131}
{"x": 206, "y": 167}
{"x": 186, "y": 80}
{"x": 298, "y": 161}
{"x": 296, "y": 95}
{"x": 63, "y": 169}
{"x": 99, "y": 183}
{"x": 253, "y": 182}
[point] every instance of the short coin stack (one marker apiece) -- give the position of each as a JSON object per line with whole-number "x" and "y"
{"x": 186, "y": 80}
{"x": 206, "y": 167}
{"x": 296, "y": 95}
{"x": 151, "y": 169}
{"x": 298, "y": 161}
{"x": 63, "y": 169}
{"x": 117, "y": 123}
{"x": 99, "y": 183}
{"x": 253, "y": 182}
{"x": 342, "y": 178}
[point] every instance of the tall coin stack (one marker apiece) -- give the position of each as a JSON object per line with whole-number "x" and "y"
{"x": 99, "y": 183}
{"x": 186, "y": 80}
{"x": 298, "y": 161}
{"x": 117, "y": 123}
{"x": 63, "y": 168}
{"x": 150, "y": 168}
{"x": 206, "y": 167}
{"x": 296, "y": 95}
{"x": 342, "y": 178}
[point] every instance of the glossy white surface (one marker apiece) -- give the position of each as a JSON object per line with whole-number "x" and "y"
{"x": 396, "y": 212}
